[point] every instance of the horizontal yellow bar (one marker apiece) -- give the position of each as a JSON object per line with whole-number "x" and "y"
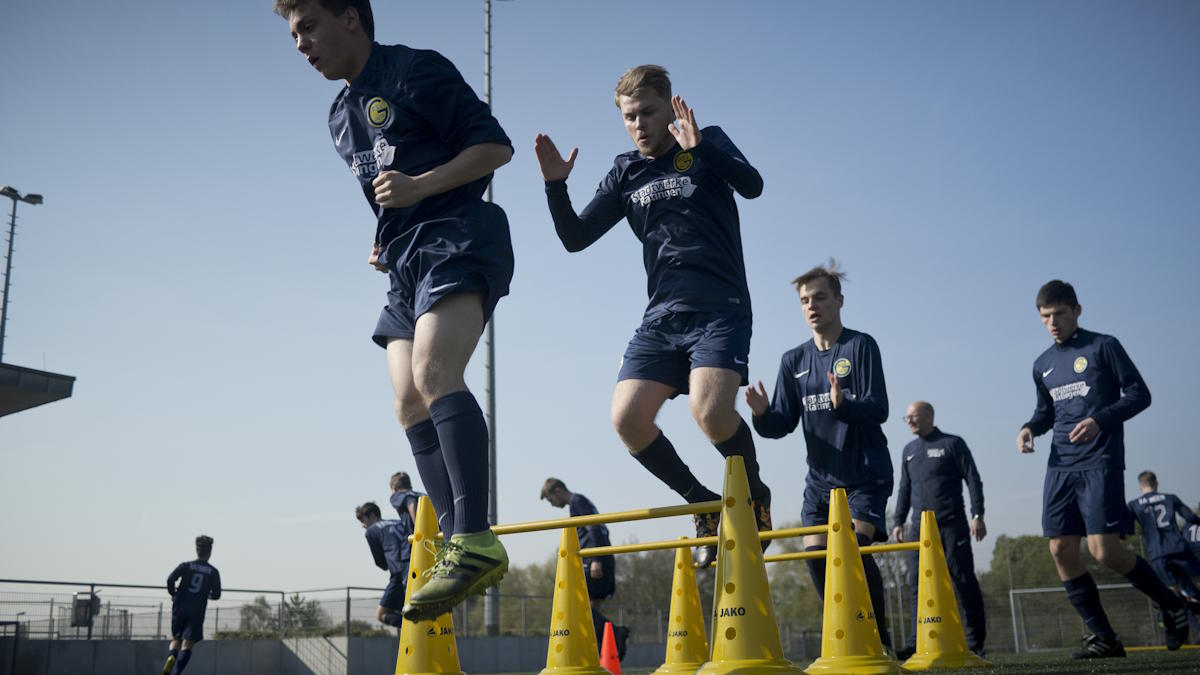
{"x": 793, "y": 532}
{"x": 866, "y": 550}
{"x": 615, "y": 517}
{"x": 683, "y": 542}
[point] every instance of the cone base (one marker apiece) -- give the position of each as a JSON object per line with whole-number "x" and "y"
{"x": 748, "y": 667}
{"x": 575, "y": 670}
{"x": 678, "y": 668}
{"x": 403, "y": 671}
{"x": 936, "y": 661}
{"x": 865, "y": 665}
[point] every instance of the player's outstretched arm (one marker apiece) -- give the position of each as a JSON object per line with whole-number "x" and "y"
{"x": 684, "y": 128}
{"x": 577, "y": 231}
{"x": 551, "y": 161}
{"x": 395, "y": 190}
{"x": 716, "y": 150}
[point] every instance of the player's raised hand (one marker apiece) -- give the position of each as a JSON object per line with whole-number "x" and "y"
{"x": 835, "y": 391}
{"x": 1025, "y": 440}
{"x": 1085, "y": 431}
{"x": 756, "y": 398}
{"x": 687, "y": 133}
{"x": 395, "y": 190}
{"x": 373, "y": 259}
{"x": 898, "y": 533}
{"x": 551, "y": 161}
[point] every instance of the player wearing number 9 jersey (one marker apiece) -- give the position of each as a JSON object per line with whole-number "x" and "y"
{"x": 198, "y": 581}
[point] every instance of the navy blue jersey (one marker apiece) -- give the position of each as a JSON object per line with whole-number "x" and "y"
{"x": 846, "y": 446}
{"x": 1088, "y": 376}
{"x": 1157, "y": 513}
{"x": 387, "y": 546}
{"x": 680, "y": 206}
{"x": 409, "y": 110}
{"x": 198, "y": 581}
{"x": 590, "y": 536}
{"x": 1192, "y": 535}
{"x": 400, "y": 501}
{"x": 931, "y": 477}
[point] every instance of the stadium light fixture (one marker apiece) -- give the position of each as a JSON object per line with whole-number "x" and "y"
{"x": 15, "y": 196}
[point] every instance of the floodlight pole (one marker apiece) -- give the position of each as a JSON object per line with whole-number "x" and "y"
{"x": 15, "y": 196}
{"x": 491, "y": 601}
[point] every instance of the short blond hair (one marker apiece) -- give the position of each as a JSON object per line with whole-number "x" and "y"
{"x": 648, "y": 76}
{"x": 830, "y": 273}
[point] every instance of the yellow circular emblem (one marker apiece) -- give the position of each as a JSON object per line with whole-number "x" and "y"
{"x": 1080, "y": 364}
{"x": 841, "y": 367}
{"x": 683, "y": 161}
{"x": 379, "y": 113}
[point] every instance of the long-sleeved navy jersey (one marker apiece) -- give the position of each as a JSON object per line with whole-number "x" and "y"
{"x": 1088, "y": 376}
{"x": 198, "y": 582}
{"x": 1157, "y": 513}
{"x": 931, "y": 477}
{"x": 409, "y": 110}
{"x": 1192, "y": 535}
{"x": 681, "y": 207}
{"x": 386, "y": 540}
{"x": 846, "y": 446}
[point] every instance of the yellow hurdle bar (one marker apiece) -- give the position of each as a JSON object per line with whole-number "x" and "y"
{"x": 615, "y": 517}
{"x": 866, "y": 550}
{"x": 700, "y": 541}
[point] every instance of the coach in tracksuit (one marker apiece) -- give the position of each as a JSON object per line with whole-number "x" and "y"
{"x": 931, "y": 474}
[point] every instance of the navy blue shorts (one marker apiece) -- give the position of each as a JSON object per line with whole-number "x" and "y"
{"x": 393, "y": 595}
{"x": 187, "y": 624}
{"x": 1078, "y": 503}
{"x": 470, "y": 252}
{"x": 867, "y": 503}
{"x": 667, "y": 348}
{"x": 606, "y": 585}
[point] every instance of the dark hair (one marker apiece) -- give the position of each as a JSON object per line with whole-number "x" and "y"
{"x": 1057, "y": 292}
{"x": 368, "y": 509}
{"x": 400, "y": 481}
{"x": 1148, "y": 478}
{"x": 829, "y": 273}
{"x": 204, "y": 546}
{"x": 551, "y": 485}
{"x": 335, "y": 7}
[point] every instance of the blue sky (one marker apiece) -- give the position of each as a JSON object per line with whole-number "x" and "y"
{"x": 199, "y": 263}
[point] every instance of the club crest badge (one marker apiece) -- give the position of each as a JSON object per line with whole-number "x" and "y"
{"x": 683, "y": 161}
{"x": 841, "y": 367}
{"x": 379, "y": 113}
{"x": 1080, "y": 364}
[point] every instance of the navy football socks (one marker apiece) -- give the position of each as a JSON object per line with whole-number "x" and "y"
{"x": 742, "y": 443}
{"x": 816, "y": 570}
{"x": 463, "y": 435}
{"x": 875, "y": 588}
{"x": 423, "y": 437}
{"x": 392, "y": 619}
{"x": 660, "y": 459}
{"x": 1143, "y": 578}
{"x": 1084, "y": 595}
{"x": 184, "y": 657}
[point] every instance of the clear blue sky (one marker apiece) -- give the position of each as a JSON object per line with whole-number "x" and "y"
{"x": 199, "y": 263}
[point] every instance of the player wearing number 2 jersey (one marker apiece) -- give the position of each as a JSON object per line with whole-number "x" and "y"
{"x": 197, "y": 582}
{"x": 1166, "y": 547}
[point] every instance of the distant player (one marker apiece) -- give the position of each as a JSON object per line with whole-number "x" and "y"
{"x": 834, "y": 385}
{"x": 1192, "y": 534}
{"x": 197, "y": 582}
{"x": 676, "y": 190}
{"x": 390, "y": 550}
{"x": 1168, "y": 550}
{"x": 422, "y": 147}
{"x": 600, "y": 572}
{"x": 932, "y": 473}
{"x": 1087, "y": 387}
{"x": 404, "y": 499}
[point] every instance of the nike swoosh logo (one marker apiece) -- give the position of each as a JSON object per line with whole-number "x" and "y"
{"x": 873, "y": 515}
{"x": 1114, "y": 523}
{"x": 442, "y": 287}
{"x": 801, "y": 374}
{"x": 1046, "y": 373}
{"x": 909, "y": 458}
{"x": 338, "y": 140}
{"x": 740, "y": 362}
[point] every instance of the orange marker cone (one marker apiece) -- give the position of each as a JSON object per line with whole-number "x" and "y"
{"x": 687, "y": 643}
{"x": 572, "y": 648}
{"x": 745, "y": 634}
{"x": 941, "y": 642}
{"x": 608, "y": 651}
{"x": 425, "y": 646}
{"x": 849, "y": 635}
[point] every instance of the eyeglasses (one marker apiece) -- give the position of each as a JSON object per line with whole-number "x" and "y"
{"x": 911, "y": 418}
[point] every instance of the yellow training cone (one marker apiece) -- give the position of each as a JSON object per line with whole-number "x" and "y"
{"x": 572, "y": 638}
{"x": 941, "y": 642}
{"x": 849, "y": 635}
{"x": 425, "y": 646}
{"x": 745, "y": 635}
{"x": 687, "y": 644}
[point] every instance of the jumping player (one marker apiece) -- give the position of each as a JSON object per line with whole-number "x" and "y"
{"x": 423, "y": 147}
{"x": 1087, "y": 387}
{"x": 931, "y": 477}
{"x": 198, "y": 582}
{"x": 391, "y": 551}
{"x": 600, "y": 572}
{"x": 676, "y": 191}
{"x": 1166, "y": 547}
{"x": 834, "y": 385}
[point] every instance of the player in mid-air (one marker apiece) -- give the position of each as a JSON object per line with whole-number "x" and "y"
{"x": 391, "y": 551}
{"x": 198, "y": 582}
{"x": 422, "y": 147}
{"x": 1087, "y": 387}
{"x": 1158, "y": 513}
{"x": 833, "y": 384}
{"x": 676, "y": 190}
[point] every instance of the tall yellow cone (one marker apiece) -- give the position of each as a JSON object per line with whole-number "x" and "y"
{"x": 425, "y": 646}
{"x": 572, "y": 639}
{"x": 745, "y": 634}
{"x": 849, "y": 635}
{"x": 941, "y": 642}
{"x": 687, "y": 643}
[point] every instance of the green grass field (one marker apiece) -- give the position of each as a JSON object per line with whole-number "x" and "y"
{"x": 1140, "y": 663}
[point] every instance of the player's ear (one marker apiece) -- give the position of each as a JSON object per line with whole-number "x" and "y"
{"x": 1078, "y": 310}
